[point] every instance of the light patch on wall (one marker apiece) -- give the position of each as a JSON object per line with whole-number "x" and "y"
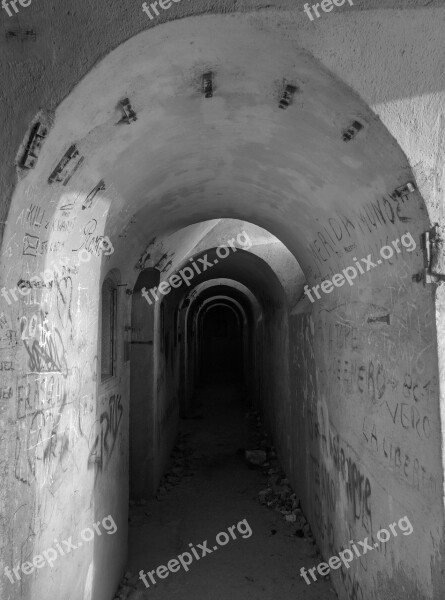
{"x": 351, "y": 162}
{"x": 88, "y": 590}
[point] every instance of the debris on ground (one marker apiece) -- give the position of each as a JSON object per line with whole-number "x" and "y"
{"x": 128, "y": 588}
{"x": 256, "y": 457}
{"x": 181, "y": 467}
{"x": 278, "y": 494}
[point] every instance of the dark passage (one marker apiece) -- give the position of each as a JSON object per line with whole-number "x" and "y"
{"x": 221, "y": 346}
{"x": 208, "y": 488}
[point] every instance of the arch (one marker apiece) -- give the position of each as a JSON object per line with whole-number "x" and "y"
{"x": 243, "y": 319}
{"x": 231, "y": 329}
{"x": 230, "y": 288}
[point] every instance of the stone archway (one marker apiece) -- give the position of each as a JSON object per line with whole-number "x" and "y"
{"x": 363, "y": 362}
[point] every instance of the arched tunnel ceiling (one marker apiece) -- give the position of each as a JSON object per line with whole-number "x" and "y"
{"x": 246, "y": 268}
{"x": 223, "y": 302}
{"x": 224, "y": 296}
{"x": 187, "y": 159}
{"x": 225, "y": 286}
{"x": 168, "y": 254}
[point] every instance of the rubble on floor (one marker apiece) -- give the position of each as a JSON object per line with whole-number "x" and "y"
{"x": 278, "y": 494}
{"x": 181, "y": 466}
{"x": 128, "y": 588}
{"x": 255, "y": 457}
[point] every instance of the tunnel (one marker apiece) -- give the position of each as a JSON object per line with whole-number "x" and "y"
{"x": 220, "y": 350}
{"x": 221, "y": 277}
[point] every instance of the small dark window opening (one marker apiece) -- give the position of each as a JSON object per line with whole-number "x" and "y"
{"x": 109, "y": 315}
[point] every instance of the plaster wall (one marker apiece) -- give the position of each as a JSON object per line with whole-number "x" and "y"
{"x": 366, "y": 413}
{"x": 166, "y": 375}
{"x": 142, "y": 390}
{"x": 63, "y": 427}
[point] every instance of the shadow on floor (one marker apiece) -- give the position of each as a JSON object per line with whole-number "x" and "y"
{"x": 210, "y": 488}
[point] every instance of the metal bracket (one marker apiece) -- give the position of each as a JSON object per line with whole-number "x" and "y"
{"x": 351, "y": 132}
{"x": 34, "y": 145}
{"x": 403, "y": 190}
{"x": 89, "y": 199}
{"x": 287, "y": 96}
{"x": 383, "y": 319}
{"x": 129, "y": 114}
{"x": 21, "y": 34}
{"x": 64, "y": 167}
{"x": 207, "y": 84}
{"x": 433, "y": 256}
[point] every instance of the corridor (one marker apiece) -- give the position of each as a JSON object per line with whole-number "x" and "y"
{"x": 222, "y": 491}
{"x": 222, "y": 299}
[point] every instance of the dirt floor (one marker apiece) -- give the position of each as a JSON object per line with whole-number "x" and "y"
{"x": 211, "y": 487}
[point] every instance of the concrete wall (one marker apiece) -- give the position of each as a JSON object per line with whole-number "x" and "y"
{"x": 63, "y": 428}
{"x": 142, "y": 391}
{"x": 366, "y": 426}
{"x": 166, "y": 374}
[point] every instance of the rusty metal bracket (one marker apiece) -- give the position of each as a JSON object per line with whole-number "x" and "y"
{"x": 433, "y": 243}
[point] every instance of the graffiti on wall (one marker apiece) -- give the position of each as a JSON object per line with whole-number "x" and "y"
{"x": 104, "y": 434}
{"x": 64, "y": 301}
{"x": 363, "y": 377}
{"x": 338, "y": 234}
{"x": 351, "y": 583}
{"x": 49, "y": 356}
{"x": 406, "y": 464}
{"x": 325, "y": 500}
{"x": 51, "y": 412}
{"x": 357, "y": 484}
{"x": 43, "y": 453}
